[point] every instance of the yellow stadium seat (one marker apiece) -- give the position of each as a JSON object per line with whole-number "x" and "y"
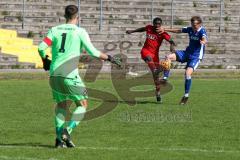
{"x": 21, "y": 47}
{"x": 7, "y": 33}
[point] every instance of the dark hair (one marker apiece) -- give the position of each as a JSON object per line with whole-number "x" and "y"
{"x": 155, "y": 20}
{"x": 196, "y": 18}
{"x": 71, "y": 12}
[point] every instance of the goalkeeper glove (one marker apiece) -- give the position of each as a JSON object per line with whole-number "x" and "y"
{"x": 46, "y": 63}
{"x": 117, "y": 61}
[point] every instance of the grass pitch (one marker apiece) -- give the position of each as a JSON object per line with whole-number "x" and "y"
{"x": 207, "y": 128}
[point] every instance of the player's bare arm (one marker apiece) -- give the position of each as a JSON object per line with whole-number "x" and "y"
{"x": 161, "y": 30}
{"x": 142, "y": 29}
{"x": 172, "y": 45}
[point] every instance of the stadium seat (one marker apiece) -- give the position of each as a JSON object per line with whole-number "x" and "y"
{"x": 21, "y": 47}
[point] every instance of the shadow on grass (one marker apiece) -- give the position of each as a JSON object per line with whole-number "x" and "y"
{"x": 133, "y": 101}
{"x": 26, "y": 145}
{"x": 232, "y": 93}
{"x": 165, "y": 102}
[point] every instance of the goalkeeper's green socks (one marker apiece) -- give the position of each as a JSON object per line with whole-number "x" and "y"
{"x": 77, "y": 116}
{"x": 59, "y": 121}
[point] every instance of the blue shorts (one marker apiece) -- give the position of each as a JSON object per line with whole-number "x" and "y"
{"x": 183, "y": 56}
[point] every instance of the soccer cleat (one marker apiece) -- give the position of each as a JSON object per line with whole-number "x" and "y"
{"x": 159, "y": 99}
{"x": 67, "y": 139}
{"x": 60, "y": 144}
{"x": 183, "y": 100}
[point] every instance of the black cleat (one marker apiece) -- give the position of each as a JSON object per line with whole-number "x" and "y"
{"x": 159, "y": 99}
{"x": 60, "y": 144}
{"x": 183, "y": 100}
{"x": 67, "y": 139}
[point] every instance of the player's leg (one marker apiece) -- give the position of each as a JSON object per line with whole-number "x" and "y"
{"x": 69, "y": 90}
{"x": 76, "y": 117}
{"x": 148, "y": 59}
{"x": 62, "y": 107}
{"x": 156, "y": 78}
{"x": 188, "y": 83}
{"x": 191, "y": 66}
{"x": 166, "y": 73}
{"x": 77, "y": 93}
{"x": 152, "y": 61}
{"x": 188, "y": 80}
{"x": 60, "y": 117}
{"x": 182, "y": 56}
{"x": 155, "y": 69}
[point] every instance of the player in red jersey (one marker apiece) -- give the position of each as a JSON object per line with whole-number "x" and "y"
{"x": 150, "y": 50}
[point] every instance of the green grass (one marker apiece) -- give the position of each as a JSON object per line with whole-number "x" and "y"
{"x": 207, "y": 128}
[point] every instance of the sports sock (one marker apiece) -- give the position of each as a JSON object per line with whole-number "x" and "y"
{"x": 156, "y": 81}
{"x": 166, "y": 74}
{"x": 77, "y": 116}
{"x": 188, "y": 83}
{"x": 151, "y": 65}
{"x": 59, "y": 121}
{"x": 186, "y": 95}
{"x": 157, "y": 87}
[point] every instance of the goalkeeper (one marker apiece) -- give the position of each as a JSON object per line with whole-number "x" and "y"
{"x": 150, "y": 51}
{"x": 67, "y": 41}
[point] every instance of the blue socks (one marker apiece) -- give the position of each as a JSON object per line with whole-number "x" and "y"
{"x": 166, "y": 74}
{"x": 188, "y": 83}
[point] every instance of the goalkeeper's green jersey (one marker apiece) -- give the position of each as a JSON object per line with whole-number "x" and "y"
{"x": 67, "y": 42}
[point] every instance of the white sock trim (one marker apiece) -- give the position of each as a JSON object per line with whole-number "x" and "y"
{"x": 78, "y": 113}
{"x": 188, "y": 77}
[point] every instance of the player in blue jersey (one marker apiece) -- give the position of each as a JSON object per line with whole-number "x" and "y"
{"x": 193, "y": 53}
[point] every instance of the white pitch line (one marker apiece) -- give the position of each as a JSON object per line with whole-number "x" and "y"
{"x": 132, "y": 148}
{"x": 162, "y": 149}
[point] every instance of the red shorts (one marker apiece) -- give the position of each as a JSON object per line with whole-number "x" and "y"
{"x": 152, "y": 59}
{"x": 146, "y": 53}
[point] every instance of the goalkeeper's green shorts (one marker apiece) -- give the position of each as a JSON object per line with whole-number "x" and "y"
{"x": 67, "y": 89}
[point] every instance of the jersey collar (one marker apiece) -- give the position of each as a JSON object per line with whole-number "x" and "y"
{"x": 199, "y": 29}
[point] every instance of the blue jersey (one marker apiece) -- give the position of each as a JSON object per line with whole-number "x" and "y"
{"x": 195, "y": 48}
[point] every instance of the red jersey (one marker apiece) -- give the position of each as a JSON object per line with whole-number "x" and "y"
{"x": 154, "y": 39}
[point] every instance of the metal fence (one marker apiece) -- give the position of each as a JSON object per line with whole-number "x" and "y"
{"x": 173, "y": 4}
{"x": 153, "y": 11}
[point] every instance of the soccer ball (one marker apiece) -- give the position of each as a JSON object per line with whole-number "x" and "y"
{"x": 165, "y": 64}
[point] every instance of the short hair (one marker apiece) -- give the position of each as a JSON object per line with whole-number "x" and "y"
{"x": 196, "y": 18}
{"x": 71, "y": 11}
{"x": 157, "y": 19}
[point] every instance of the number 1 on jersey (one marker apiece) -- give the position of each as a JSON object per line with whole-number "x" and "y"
{"x": 62, "y": 50}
